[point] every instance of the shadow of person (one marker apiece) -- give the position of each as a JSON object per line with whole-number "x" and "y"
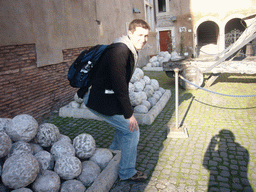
{"x": 227, "y": 162}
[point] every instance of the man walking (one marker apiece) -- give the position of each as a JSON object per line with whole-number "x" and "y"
{"x": 109, "y": 99}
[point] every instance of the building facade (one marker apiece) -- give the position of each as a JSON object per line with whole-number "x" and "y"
{"x": 197, "y": 27}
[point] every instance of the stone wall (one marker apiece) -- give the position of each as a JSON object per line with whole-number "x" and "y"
{"x": 25, "y": 88}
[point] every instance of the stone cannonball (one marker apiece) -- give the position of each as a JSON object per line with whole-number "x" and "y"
{"x": 149, "y": 90}
{"x": 152, "y": 101}
{"x": 72, "y": 185}
{"x": 141, "y": 109}
{"x": 68, "y": 167}
{"x": 3, "y": 123}
{"x": 135, "y": 98}
{"x": 61, "y": 148}
{"x": 47, "y": 181}
{"x": 143, "y": 95}
{"x": 22, "y": 128}
{"x": 137, "y": 75}
{"x": 19, "y": 148}
{"x": 35, "y": 147}
{"x": 102, "y": 157}
{"x": 162, "y": 90}
{"x": 20, "y": 170}
{"x": 146, "y": 103}
{"x": 64, "y": 138}
{"x": 47, "y": 134}
{"x": 84, "y": 145}
{"x": 147, "y": 80}
{"x": 154, "y": 83}
{"x": 78, "y": 99}
{"x": 5, "y": 143}
{"x": 74, "y": 104}
{"x": 22, "y": 190}
{"x": 90, "y": 171}
{"x": 138, "y": 86}
{"x": 45, "y": 160}
{"x": 131, "y": 87}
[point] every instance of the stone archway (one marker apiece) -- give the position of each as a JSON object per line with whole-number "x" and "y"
{"x": 207, "y": 38}
{"x": 233, "y": 30}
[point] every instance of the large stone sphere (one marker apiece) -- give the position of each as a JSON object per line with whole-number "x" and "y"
{"x": 90, "y": 172}
{"x": 137, "y": 75}
{"x": 47, "y": 181}
{"x": 68, "y": 167}
{"x": 78, "y": 99}
{"x": 62, "y": 148}
{"x": 131, "y": 87}
{"x": 135, "y": 98}
{"x": 5, "y": 143}
{"x": 147, "y": 80}
{"x": 45, "y": 160}
{"x": 35, "y": 147}
{"x": 84, "y": 145}
{"x": 20, "y": 170}
{"x": 102, "y": 157}
{"x": 152, "y": 101}
{"x": 72, "y": 185}
{"x": 138, "y": 86}
{"x": 3, "y": 123}
{"x": 19, "y": 148}
{"x": 141, "y": 109}
{"x": 22, "y": 190}
{"x": 162, "y": 90}
{"x": 143, "y": 95}
{"x": 146, "y": 103}
{"x": 22, "y": 128}
{"x": 154, "y": 83}
{"x": 64, "y": 138}
{"x": 149, "y": 90}
{"x": 47, "y": 134}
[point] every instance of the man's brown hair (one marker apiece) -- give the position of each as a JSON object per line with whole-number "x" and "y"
{"x": 138, "y": 23}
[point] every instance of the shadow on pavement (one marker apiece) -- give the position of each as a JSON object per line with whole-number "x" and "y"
{"x": 227, "y": 162}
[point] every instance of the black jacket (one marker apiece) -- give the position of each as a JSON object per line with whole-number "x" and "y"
{"x": 115, "y": 68}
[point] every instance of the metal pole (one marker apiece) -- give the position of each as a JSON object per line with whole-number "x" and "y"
{"x": 176, "y": 70}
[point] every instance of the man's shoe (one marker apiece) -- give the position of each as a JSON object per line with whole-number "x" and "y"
{"x": 139, "y": 176}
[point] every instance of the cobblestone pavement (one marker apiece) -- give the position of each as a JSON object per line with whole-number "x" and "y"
{"x": 218, "y": 155}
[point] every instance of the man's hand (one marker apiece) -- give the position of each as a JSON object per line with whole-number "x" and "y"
{"x": 133, "y": 124}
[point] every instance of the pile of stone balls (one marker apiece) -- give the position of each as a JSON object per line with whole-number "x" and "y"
{"x": 164, "y": 56}
{"x": 144, "y": 93}
{"x": 38, "y": 158}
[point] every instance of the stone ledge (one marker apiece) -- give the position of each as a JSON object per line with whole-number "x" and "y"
{"x": 142, "y": 119}
{"x": 107, "y": 177}
{"x": 152, "y": 68}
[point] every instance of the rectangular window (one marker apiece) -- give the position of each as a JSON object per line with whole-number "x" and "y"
{"x": 149, "y": 13}
{"x": 161, "y": 6}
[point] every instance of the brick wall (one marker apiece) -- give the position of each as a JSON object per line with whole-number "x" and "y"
{"x": 27, "y": 89}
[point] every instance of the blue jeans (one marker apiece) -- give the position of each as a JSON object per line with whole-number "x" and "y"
{"x": 123, "y": 140}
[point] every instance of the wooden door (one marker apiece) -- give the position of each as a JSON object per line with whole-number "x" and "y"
{"x": 165, "y": 41}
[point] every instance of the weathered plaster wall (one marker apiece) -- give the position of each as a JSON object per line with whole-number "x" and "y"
{"x": 56, "y": 25}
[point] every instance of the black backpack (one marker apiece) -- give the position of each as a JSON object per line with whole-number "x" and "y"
{"x": 80, "y": 72}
